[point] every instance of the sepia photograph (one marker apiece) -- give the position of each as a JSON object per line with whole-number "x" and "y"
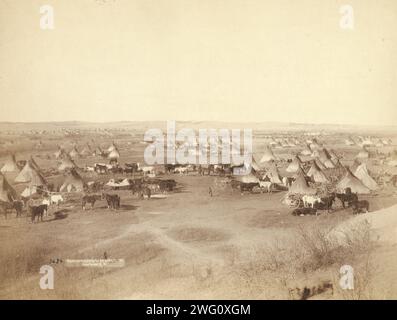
{"x": 198, "y": 150}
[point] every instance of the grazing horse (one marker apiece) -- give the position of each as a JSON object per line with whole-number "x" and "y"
{"x": 359, "y": 205}
{"x": 347, "y": 197}
{"x": 38, "y": 211}
{"x": 91, "y": 199}
{"x": 113, "y": 200}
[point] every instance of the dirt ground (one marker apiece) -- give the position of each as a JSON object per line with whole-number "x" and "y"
{"x": 188, "y": 245}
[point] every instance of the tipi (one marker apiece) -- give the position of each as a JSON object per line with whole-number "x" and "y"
{"x": 74, "y": 153}
{"x": 294, "y": 165}
{"x": 306, "y": 151}
{"x": 361, "y": 172}
{"x": 30, "y": 174}
{"x": 7, "y": 193}
{"x": 112, "y": 147}
{"x": 66, "y": 163}
{"x": 363, "y": 154}
{"x": 300, "y": 185}
{"x": 352, "y": 182}
{"x": 73, "y": 182}
{"x": 272, "y": 174}
{"x": 267, "y": 156}
{"x": 317, "y": 174}
{"x": 114, "y": 155}
{"x": 59, "y": 153}
{"x": 10, "y": 165}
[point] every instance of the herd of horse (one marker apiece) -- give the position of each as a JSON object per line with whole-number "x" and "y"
{"x": 310, "y": 205}
{"x": 143, "y": 188}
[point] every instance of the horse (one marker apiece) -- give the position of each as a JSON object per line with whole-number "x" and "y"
{"x": 53, "y": 199}
{"x": 181, "y": 170}
{"x": 154, "y": 187}
{"x": 359, "y": 205}
{"x": 100, "y": 168}
{"x": 167, "y": 185}
{"x": 347, "y": 197}
{"x": 142, "y": 191}
{"x": 18, "y": 206}
{"x": 131, "y": 168}
{"x": 310, "y": 201}
{"x": 38, "y": 211}
{"x": 116, "y": 170}
{"x": 15, "y": 204}
{"x": 328, "y": 201}
{"x": 113, "y": 200}
{"x": 248, "y": 186}
{"x": 91, "y": 199}
{"x": 266, "y": 185}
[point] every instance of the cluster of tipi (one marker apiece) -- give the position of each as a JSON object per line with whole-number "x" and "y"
{"x": 368, "y": 141}
{"x": 356, "y": 178}
{"x": 112, "y": 153}
{"x": 32, "y": 178}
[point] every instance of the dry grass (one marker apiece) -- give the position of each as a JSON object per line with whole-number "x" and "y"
{"x": 286, "y": 264}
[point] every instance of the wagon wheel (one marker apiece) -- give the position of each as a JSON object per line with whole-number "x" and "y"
{"x": 295, "y": 203}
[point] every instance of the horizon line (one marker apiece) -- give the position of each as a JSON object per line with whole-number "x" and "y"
{"x": 196, "y": 121}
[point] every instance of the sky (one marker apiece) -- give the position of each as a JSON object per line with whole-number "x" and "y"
{"x": 202, "y": 60}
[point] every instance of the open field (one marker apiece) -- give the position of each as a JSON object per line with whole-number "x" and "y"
{"x": 187, "y": 244}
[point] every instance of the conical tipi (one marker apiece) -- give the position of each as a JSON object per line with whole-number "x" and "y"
{"x": 10, "y": 165}
{"x": 306, "y": 151}
{"x": 317, "y": 174}
{"x": 352, "y": 182}
{"x": 30, "y": 174}
{"x": 114, "y": 154}
{"x": 73, "y": 182}
{"x": 294, "y": 165}
{"x": 361, "y": 173}
{"x": 268, "y": 155}
{"x": 300, "y": 185}
{"x": 74, "y": 153}
{"x": 7, "y": 193}
{"x": 272, "y": 174}
{"x": 66, "y": 163}
{"x": 363, "y": 154}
